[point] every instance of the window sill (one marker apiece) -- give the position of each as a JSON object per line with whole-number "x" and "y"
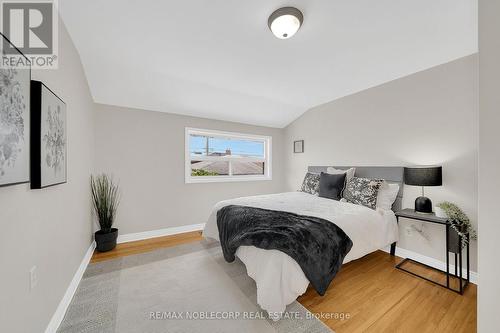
{"x": 222, "y": 179}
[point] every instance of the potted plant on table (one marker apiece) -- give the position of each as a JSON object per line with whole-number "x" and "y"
{"x": 105, "y": 199}
{"x": 461, "y": 227}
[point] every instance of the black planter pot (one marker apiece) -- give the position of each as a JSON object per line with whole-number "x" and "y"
{"x": 454, "y": 244}
{"x": 106, "y": 240}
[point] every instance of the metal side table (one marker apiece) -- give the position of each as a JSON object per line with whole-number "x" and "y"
{"x": 451, "y": 246}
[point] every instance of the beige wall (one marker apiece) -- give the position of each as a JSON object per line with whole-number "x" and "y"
{"x": 426, "y": 118}
{"x": 489, "y": 166}
{"x": 49, "y": 228}
{"x": 144, "y": 150}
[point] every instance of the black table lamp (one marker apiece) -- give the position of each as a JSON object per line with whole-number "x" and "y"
{"x": 423, "y": 176}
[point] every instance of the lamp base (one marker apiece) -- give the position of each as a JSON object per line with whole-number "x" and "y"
{"x": 423, "y": 205}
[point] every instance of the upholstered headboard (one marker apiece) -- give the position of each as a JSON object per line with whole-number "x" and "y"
{"x": 390, "y": 174}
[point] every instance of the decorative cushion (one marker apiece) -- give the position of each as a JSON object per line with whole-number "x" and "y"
{"x": 387, "y": 194}
{"x": 362, "y": 191}
{"x": 349, "y": 172}
{"x": 311, "y": 183}
{"x": 331, "y": 186}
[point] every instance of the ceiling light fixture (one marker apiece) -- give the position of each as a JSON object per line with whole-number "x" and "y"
{"x": 285, "y": 22}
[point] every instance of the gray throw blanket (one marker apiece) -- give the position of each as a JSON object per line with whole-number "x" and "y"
{"x": 317, "y": 245}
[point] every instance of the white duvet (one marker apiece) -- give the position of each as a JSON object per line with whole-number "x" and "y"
{"x": 279, "y": 278}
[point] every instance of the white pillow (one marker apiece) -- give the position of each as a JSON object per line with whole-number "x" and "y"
{"x": 387, "y": 194}
{"x": 349, "y": 172}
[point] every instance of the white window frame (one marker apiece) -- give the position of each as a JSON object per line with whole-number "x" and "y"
{"x": 230, "y": 178}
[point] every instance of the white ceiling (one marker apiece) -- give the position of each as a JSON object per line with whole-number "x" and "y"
{"x": 218, "y": 59}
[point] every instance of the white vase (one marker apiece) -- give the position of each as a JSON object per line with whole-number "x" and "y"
{"x": 440, "y": 212}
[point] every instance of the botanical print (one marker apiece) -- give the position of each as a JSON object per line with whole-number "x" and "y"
{"x": 54, "y": 140}
{"x": 311, "y": 183}
{"x": 14, "y": 109}
{"x": 362, "y": 191}
{"x": 51, "y": 168}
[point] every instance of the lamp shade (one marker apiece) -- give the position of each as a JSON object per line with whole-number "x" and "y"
{"x": 424, "y": 176}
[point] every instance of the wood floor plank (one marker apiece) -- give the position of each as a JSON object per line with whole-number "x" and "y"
{"x": 376, "y": 296}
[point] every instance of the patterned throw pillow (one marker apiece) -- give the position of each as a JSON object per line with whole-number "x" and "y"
{"x": 311, "y": 183}
{"x": 362, "y": 191}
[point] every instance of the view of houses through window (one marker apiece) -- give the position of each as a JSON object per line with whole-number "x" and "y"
{"x": 226, "y": 155}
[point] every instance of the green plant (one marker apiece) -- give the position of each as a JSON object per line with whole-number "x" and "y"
{"x": 201, "y": 172}
{"x": 105, "y": 200}
{"x": 459, "y": 221}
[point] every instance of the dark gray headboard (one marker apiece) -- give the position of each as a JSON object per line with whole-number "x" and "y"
{"x": 390, "y": 174}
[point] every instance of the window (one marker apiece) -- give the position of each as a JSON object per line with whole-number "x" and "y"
{"x": 213, "y": 156}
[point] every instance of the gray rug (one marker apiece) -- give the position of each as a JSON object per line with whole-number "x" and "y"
{"x": 186, "y": 288}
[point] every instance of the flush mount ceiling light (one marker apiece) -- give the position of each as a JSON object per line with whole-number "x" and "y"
{"x": 285, "y": 22}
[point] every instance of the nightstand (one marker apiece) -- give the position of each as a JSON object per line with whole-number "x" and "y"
{"x": 453, "y": 245}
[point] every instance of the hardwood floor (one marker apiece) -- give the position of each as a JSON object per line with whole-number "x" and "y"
{"x": 380, "y": 298}
{"x": 146, "y": 245}
{"x": 369, "y": 293}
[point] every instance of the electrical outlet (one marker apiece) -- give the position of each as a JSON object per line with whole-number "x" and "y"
{"x": 409, "y": 231}
{"x": 33, "y": 277}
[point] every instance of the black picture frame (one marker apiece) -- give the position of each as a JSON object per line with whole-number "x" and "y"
{"x": 40, "y": 112}
{"x": 26, "y": 120}
{"x": 298, "y": 146}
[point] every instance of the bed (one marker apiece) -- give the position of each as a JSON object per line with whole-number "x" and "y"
{"x": 279, "y": 278}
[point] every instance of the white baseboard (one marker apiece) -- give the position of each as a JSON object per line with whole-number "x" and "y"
{"x": 404, "y": 253}
{"x": 159, "y": 233}
{"x": 70, "y": 292}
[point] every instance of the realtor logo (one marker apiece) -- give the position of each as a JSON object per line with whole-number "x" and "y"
{"x": 32, "y": 27}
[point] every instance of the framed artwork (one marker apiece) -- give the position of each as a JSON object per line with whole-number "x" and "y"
{"x": 48, "y": 137}
{"x": 298, "y": 146}
{"x": 14, "y": 118}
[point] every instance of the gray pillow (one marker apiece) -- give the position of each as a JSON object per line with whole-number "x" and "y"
{"x": 362, "y": 191}
{"x": 311, "y": 183}
{"x": 331, "y": 186}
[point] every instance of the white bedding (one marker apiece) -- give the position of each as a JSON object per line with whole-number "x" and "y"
{"x": 279, "y": 278}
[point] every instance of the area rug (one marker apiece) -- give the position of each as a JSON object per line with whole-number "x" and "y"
{"x": 186, "y": 288}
